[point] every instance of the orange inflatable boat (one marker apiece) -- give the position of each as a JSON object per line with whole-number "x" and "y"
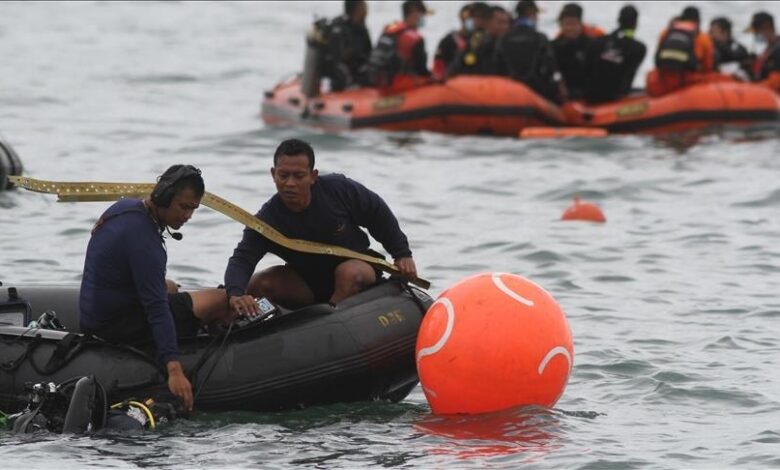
{"x": 695, "y": 107}
{"x": 463, "y": 105}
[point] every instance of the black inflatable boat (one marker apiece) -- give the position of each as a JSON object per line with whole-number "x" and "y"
{"x": 361, "y": 350}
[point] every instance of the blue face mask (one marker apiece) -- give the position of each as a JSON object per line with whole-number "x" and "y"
{"x": 421, "y": 23}
{"x": 469, "y": 24}
{"x": 759, "y": 39}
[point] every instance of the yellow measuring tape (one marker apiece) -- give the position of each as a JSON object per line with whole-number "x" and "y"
{"x": 82, "y": 191}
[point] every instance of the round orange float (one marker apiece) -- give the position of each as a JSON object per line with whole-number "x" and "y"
{"x": 583, "y": 211}
{"x": 491, "y": 342}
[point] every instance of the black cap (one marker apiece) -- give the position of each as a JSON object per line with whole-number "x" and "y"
{"x": 628, "y": 17}
{"x": 760, "y": 20}
{"x": 526, "y": 7}
{"x": 570, "y": 10}
{"x": 414, "y": 5}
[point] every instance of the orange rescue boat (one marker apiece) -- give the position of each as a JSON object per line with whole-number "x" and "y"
{"x": 695, "y": 107}
{"x": 481, "y": 105}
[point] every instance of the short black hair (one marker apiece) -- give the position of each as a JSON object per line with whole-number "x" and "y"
{"x": 690, "y": 14}
{"x": 410, "y": 6}
{"x": 723, "y": 23}
{"x": 350, "y": 6}
{"x": 524, "y": 8}
{"x": 628, "y": 17}
{"x": 496, "y": 9}
{"x": 570, "y": 10}
{"x": 480, "y": 10}
{"x": 294, "y": 147}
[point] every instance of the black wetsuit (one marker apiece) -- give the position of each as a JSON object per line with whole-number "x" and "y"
{"x": 339, "y": 207}
{"x": 348, "y": 50}
{"x": 526, "y": 55}
{"x": 570, "y": 58}
{"x": 610, "y": 66}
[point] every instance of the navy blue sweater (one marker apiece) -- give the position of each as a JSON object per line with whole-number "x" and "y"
{"x": 339, "y": 207}
{"x": 124, "y": 274}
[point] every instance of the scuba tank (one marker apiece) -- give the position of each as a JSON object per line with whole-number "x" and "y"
{"x": 79, "y": 406}
{"x": 316, "y": 45}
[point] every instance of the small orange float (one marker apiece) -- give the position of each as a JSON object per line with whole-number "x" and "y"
{"x": 584, "y": 211}
{"x": 559, "y": 132}
{"x": 491, "y": 342}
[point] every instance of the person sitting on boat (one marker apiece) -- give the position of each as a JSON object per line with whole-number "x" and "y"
{"x": 612, "y": 61}
{"x": 525, "y": 54}
{"x": 399, "y": 61}
{"x": 471, "y": 60}
{"x": 766, "y": 69}
{"x": 685, "y": 56}
{"x": 570, "y": 48}
{"x": 123, "y": 296}
{"x": 348, "y": 47}
{"x": 327, "y": 209}
{"x": 727, "y": 50}
{"x": 450, "y": 45}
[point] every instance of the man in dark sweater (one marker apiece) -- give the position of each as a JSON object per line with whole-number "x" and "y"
{"x": 329, "y": 209}
{"x": 123, "y": 295}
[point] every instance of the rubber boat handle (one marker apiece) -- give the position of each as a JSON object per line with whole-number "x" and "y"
{"x": 95, "y": 191}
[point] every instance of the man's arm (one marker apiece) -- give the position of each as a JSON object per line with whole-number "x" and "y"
{"x": 249, "y": 251}
{"x": 147, "y": 260}
{"x": 372, "y": 212}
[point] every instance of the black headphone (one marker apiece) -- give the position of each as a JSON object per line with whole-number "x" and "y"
{"x": 164, "y": 192}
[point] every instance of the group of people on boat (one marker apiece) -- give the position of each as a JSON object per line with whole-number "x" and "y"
{"x": 125, "y": 297}
{"x": 581, "y": 63}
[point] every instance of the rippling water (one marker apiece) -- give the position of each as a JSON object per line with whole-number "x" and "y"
{"x": 672, "y": 303}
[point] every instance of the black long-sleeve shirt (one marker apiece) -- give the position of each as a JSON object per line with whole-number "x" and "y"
{"x": 339, "y": 207}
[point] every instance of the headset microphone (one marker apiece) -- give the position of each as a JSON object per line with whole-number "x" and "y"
{"x": 175, "y": 235}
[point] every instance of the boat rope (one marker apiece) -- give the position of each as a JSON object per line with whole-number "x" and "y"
{"x": 96, "y": 191}
{"x": 216, "y": 356}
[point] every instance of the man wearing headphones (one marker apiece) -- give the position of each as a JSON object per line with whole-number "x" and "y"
{"x": 123, "y": 295}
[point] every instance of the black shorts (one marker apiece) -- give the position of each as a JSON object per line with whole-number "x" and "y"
{"x": 321, "y": 279}
{"x": 133, "y": 328}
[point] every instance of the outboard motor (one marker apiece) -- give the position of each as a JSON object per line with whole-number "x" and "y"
{"x": 316, "y": 44}
{"x": 10, "y": 164}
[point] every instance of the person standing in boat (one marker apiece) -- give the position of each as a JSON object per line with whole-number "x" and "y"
{"x": 399, "y": 61}
{"x": 123, "y": 296}
{"x": 727, "y": 50}
{"x": 348, "y": 47}
{"x": 524, "y": 54}
{"x": 327, "y": 209}
{"x": 685, "y": 56}
{"x": 766, "y": 69}
{"x": 611, "y": 61}
{"x": 570, "y": 48}
{"x": 452, "y": 44}
{"x": 469, "y": 61}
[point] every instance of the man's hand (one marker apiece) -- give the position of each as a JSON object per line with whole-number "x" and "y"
{"x": 244, "y": 305}
{"x": 407, "y": 267}
{"x": 179, "y": 385}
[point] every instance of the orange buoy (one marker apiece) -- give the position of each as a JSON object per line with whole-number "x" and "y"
{"x": 493, "y": 341}
{"x": 583, "y": 211}
{"x": 559, "y": 132}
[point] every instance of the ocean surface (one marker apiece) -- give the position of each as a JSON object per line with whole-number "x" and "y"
{"x": 674, "y": 303}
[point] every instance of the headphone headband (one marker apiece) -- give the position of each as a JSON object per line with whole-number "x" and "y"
{"x": 163, "y": 193}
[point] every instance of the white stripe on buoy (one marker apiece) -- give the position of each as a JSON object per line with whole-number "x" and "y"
{"x": 506, "y": 290}
{"x": 554, "y": 352}
{"x": 447, "y": 331}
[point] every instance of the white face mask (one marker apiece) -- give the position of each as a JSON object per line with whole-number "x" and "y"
{"x": 421, "y": 23}
{"x": 469, "y": 24}
{"x": 759, "y": 39}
